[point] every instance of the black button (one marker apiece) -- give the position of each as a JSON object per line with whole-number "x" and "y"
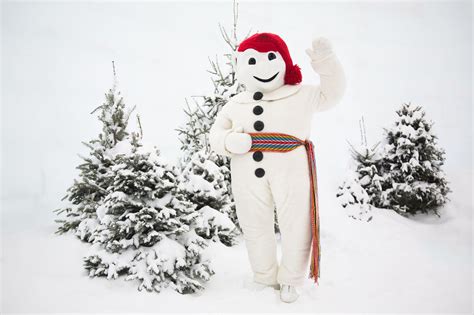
{"x": 257, "y": 96}
{"x": 258, "y": 156}
{"x": 259, "y": 172}
{"x": 258, "y": 110}
{"x": 258, "y": 125}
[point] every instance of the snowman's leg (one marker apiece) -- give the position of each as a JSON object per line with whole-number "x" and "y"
{"x": 291, "y": 191}
{"x": 255, "y": 212}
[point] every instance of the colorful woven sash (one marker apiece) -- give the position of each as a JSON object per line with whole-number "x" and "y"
{"x": 279, "y": 142}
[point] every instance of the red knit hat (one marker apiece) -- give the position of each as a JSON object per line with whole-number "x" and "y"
{"x": 265, "y": 42}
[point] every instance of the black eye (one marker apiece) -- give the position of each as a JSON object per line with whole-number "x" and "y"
{"x": 271, "y": 56}
{"x": 252, "y": 61}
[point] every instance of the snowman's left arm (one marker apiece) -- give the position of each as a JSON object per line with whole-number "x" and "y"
{"x": 333, "y": 82}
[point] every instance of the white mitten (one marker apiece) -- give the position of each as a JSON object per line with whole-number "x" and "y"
{"x": 321, "y": 50}
{"x": 323, "y": 59}
{"x": 238, "y": 142}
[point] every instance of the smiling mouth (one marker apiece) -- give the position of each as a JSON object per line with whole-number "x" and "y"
{"x": 267, "y": 80}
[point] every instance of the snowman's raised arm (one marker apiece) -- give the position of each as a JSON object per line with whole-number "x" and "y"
{"x": 333, "y": 82}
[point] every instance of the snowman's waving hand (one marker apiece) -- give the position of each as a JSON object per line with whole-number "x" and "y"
{"x": 321, "y": 49}
{"x": 325, "y": 63}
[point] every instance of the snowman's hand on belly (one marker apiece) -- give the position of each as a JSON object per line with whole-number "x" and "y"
{"x": 238, "y": 142}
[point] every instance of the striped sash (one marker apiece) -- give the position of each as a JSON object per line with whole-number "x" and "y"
{"x": 279, "y": 142}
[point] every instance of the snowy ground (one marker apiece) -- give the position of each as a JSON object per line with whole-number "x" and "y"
{"x": 391, "y": 264}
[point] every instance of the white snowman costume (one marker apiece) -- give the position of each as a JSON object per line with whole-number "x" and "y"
{"x": 262, "y": 181}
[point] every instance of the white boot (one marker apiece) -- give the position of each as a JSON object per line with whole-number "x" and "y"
{"x": 288, "y": 293}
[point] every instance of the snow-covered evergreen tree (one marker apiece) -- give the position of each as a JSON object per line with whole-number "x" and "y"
{"x": 89, "y": 190}
{"x": 351, "y": 192}
{"x": 354, "y": 198}
{"x": 202, "y": 114}
{"x": 128, "y": 202}
{"x": 362, "y": 186}
{"x": 200, "y": 117}
{"x": 206, "y": 188}
{"x": 414, "y": 162}
{"x": 369, "y": 172}
{"x": 407, "y": 176}
{"x": 146, "y": 227}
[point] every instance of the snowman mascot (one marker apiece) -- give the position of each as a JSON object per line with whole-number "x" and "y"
{"x": 265, "y": 131}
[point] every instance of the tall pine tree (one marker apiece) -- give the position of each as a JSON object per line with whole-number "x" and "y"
{"x": 200, "y": 117}
{"x": 202, "y": 114}
{"x": 128, "y": 202}
{"x": 89, "y": 190}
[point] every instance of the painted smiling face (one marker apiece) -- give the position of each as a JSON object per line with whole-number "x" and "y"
{"x": 264, "y": 63}
{"x": 258, "y": 71}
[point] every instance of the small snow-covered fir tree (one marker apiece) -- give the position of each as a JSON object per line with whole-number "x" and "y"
{"x": 351, "y": 192}
{"x": 354, "y": 199}
{"x": 369, "y": 172}
{"x": 414, "y": 161}
{"x": 200, "y": 117}
{"x": 205, "y": 186}
{"x": 362, "y": 186}
{"x": 407, "y": 176}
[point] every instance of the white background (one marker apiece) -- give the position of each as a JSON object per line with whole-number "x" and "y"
{"x": 56, "y": 67}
